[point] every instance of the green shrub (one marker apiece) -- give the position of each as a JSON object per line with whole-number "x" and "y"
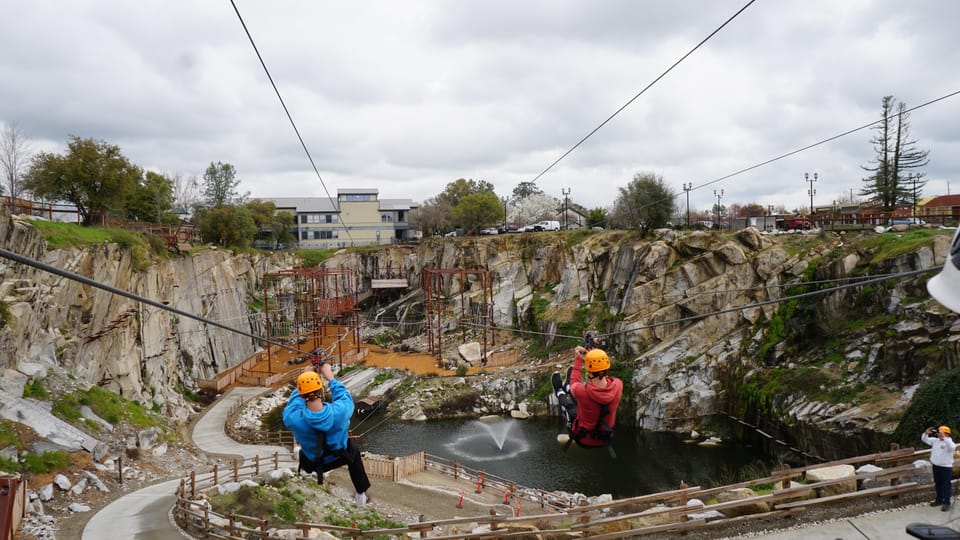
{"x": 935, "y": 403}
{"x": 9, "y": 465}
{"x": 35, "y": 389}
{"x": 461, "y": 370}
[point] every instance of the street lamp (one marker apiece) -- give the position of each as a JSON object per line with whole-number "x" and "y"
{"x": 687, "y": 188}
{"x": 811, "y": 191}
{"x": 719, "y": 196}
{"x": 566, "y": 193}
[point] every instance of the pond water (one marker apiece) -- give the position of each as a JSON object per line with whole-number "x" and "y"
{"x": 645, "y": 462}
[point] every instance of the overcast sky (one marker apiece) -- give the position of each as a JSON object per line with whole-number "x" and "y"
{"x": 409, "y": 96}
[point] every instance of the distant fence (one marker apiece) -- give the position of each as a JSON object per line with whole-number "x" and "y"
{"x": 243, "y": 373}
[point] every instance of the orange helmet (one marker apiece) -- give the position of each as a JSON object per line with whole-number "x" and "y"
{"x": 597, "y": 360}
{"x": 309, "y": 382}
{"x": 945, "y": 430}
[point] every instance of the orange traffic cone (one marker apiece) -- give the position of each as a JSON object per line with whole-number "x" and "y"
{"x": 460, "y": 502}
{"x": 518, "y": 506}
{"x": 506, "y": 497}
{"x": 479, "y": 483}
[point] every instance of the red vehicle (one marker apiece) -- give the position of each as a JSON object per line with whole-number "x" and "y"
{"x": 795, "y": 224}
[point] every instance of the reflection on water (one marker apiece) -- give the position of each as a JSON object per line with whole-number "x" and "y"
{"x": 645, "y": 462}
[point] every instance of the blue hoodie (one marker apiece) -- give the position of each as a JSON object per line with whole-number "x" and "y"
{"x": 333, "y": 418}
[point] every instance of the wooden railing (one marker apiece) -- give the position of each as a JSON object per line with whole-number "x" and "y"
{"x": 670, "y": 511}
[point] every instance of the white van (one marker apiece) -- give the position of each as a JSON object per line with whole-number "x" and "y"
{"x": 546, "y": 226}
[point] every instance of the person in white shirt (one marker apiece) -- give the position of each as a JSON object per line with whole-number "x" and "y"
{"x": 941, "y": 457}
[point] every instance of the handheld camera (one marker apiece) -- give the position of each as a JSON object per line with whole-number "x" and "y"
{"x": 591, "y": 340}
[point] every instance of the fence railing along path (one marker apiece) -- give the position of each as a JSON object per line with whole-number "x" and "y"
{"x": 669, "y": 511}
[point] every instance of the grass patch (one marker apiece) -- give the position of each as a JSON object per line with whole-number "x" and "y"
{"x": 313, "y": 257}
{"x": 45, "y": 462}
{"x": 8, "y": 435}
{"x": 70, "y": 235}
{"x": 264, "y": 501}
{"x": 5, "y": 316}
{"x": 577, "y": 236}
{"x": 890, "y": 245}
{"x": 107, "y": 405}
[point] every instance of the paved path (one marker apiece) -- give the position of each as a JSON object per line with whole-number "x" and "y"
{"x": 888, "y": 525}
{"x": 145, "y": 514}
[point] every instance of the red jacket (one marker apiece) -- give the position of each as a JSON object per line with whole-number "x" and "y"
{"x": 590, "y": 397}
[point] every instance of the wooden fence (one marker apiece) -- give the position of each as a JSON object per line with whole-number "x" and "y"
{"x": 672, "y": 511}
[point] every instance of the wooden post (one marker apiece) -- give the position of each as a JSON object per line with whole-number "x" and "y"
{"x": 456, "y": 470}
{"x": 193, "y": 484}
{"x": 423, "y": 532}
{"x": 236, "y": 471}
{"x": 256, "y": 464}
{"x": 216, "y": 470}
{"x": 683, "y": 498}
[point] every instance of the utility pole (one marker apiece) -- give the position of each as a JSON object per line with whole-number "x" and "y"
{"x": 687, "y": 188}
{"x": 914, "y": 177}
{"x": 807, "y": 178}
{"x": 566, "y": 203}
{"x": 719, "y": 196}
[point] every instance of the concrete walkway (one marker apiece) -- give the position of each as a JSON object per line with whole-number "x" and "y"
{"x": 145, "y": 514}
{"x": 886, "y": 525}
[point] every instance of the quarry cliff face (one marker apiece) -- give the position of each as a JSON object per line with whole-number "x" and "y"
{"x": 685, "y": 313}
{"x": 693, "y": 315}
{"x": 141, "y": 352}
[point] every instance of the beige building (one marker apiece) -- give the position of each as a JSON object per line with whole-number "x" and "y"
{"x": 358, "y": 217}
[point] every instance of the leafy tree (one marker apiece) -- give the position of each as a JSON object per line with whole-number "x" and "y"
{"x": 754, "y": 210}
{"x": 93, "y": 175}
{"x": 597, "y": 217}
{"x": 266, "y": 218}
{"x": 14, "y": 157}
{"x": 435, "y": 216}
{"x": 152, "y": 199}
{"x": 477, "y": 210}
{"x": 229, "y": 225}
{"x": 896, "y": 153}
{"x": 460, "y": 188}
{"x": 646, "y": 203}
{"x": 220, "y": 184}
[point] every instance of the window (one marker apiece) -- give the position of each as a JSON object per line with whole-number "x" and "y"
{"x": 361, "y": 197}
{"x": 330, "y": 218}
{"x": 313, "y": 218}
{"x": 316, "y": 235}
{"x": 304, "y": 235}
{"x": 386, "y": 217}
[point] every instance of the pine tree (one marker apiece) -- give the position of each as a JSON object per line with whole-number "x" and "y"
{"x": 891, "y": 183}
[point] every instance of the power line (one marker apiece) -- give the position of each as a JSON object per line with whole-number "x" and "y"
{"x": 290, "y": 117}
{"x": 641, "y": 92}
{"x": 818, "y": 143}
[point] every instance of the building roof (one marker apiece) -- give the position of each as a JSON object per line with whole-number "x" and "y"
{"x": 397, "y": 204}
{"x": 943, "y": 201}
{"x": 303, "y": 204}
{"x": 357, "y": 191}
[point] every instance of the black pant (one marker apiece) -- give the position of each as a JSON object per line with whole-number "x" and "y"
{"x": 351, "y": 458}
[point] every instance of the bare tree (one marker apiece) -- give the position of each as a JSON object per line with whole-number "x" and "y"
{"x": 185, "y": 191}
{"x": 14, "y": 159}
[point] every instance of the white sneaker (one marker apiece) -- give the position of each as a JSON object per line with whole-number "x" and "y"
{"x": 361, "y": 499}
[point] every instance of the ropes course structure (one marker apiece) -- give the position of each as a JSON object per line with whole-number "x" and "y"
{"x": 467, "y": 303}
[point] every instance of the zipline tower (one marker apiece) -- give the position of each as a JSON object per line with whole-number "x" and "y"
{"x": 468, "y": 307}
{"x": 303, "y": 304}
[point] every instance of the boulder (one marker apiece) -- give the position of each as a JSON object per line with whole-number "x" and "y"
{"x": 62, "y": 482}
{"x": 147, "y": 438}
{"x": 46, "y": 492}
{"x": 95, "y": 481}
{"x": 470, "y": 352}
{"x": 834, "y": 472}
{"x": 76, "y": 507}
{"x": 740, "y": 494}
